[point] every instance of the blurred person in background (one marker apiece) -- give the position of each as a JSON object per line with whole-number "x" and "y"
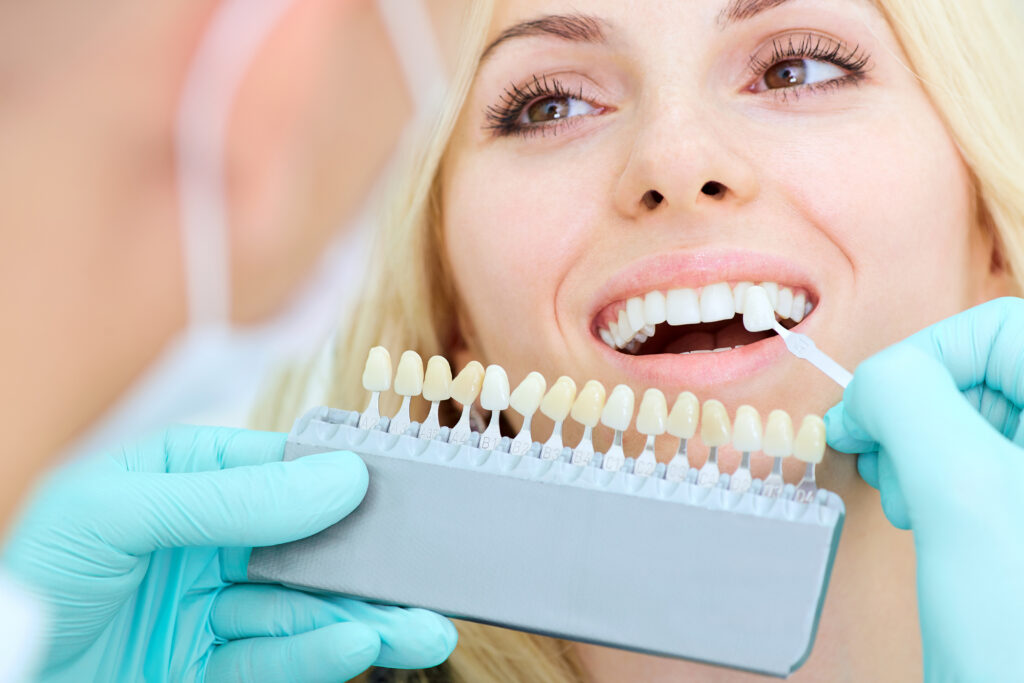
{"x": 172, "y": 174}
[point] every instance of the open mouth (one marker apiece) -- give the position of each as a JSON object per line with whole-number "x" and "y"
{"x": 694, "y": 320}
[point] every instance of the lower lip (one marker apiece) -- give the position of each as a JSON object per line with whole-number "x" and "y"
{"x": 699, "y": 369}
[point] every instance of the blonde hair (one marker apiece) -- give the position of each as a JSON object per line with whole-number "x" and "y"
{"x": 965, "y": 56}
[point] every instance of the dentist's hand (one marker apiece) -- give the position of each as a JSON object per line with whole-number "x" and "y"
{"x": 937, "y": 419}
{"x": 141, "y": 554}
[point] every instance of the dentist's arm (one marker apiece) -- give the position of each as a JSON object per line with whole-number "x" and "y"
{"x": 936, "y": 418}
{"x": 141, "y": 554}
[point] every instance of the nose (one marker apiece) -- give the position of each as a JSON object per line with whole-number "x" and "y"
{"x": 683, "y": 158}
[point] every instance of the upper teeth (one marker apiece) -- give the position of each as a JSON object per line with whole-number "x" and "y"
{"x": 711, "y": 303}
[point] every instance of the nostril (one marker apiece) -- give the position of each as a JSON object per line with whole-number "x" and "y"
{"x": 652, "y": 198}
{"x": 713, "y": 189}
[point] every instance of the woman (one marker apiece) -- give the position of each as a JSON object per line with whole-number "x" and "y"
{"x": 865, "y": 155}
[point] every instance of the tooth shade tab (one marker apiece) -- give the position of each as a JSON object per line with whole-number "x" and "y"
{"x": 437, "y": 383}
{"x": 778, "y": 435}
{"x": 409, "y": 376}
{"x": 685, "y": 415}
{"x": 527, "y": 396}
{"x": 466, "y": 385}
{"x": 739, "y": 294}
{"x": 653, "y": 413}
{"x": 746, "y": 430}
{"x": 377, "y": 373}
{"x": 589, "y": 404}
{"x": 557, "y": 403}
{"x": 618, "y": 409}
{"x": 810, "y": 440}
{"x": 495, "y": 392}
{"x": 716, "y": 303}
{"x": 758, "y": 313}
{"x": 714, "y": 426}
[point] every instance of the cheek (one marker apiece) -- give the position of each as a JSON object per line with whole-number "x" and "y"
{"x": 512, "y": 232}
{"x": 894, "y": 198}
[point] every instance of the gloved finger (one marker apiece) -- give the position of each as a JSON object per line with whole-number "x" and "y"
{"x": 243, "y": 506}
{"x": 981, "y": 346}
{"x": 907, "y": 402}
{"x": 205, "y": 449}
{"x": 845, "y": 435}
{"x": 409, "y": 638}
{"x": 867, "y": 467}
{"x": 894, "y": 505}
{"x": 333, "y": 653}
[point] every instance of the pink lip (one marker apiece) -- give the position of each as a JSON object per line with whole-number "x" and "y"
{"x": 674, "y": 270}
{"x": 696, "y": 269}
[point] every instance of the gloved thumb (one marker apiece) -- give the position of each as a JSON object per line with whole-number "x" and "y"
{"x": 905, "y": 402}
{"x": 242, "y": 506}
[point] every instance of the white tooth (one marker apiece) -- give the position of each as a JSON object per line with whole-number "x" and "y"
{"x": 799, "y": 302}
{"x": 758, "y": 315}
{"x": 772, "y": 289}
{"x": 687, "y": 353}
{"x": 716, "y": 303}
{"x": 682, "y": 421}
{"x": 633, "y": 346}
{"x": 409, "y": 376}
{"x": 606, "y": 337}
{"x": 648, "y": 330}
{"x": 626, "y": 331}
{"x": 808, "y": 308}
{"x": 635, "y": 313}
{"x": 784, "y": 305}
{"x": 613, "y": 330}
{"x": 466, "y": 385}
{"x": 558, "y": 401}
{"x": 746, "y": 430}
{"x": 377, "y": 373}
{"x": 495, "y": 392}
{"x": 739, "y": 294}
{"x": 640, "y": 337}
{"x": 527, "y": 396}
{"x": 810, "y": 440}
{"x": 778, "y": 435}
{"x": 654, "y": 308}
{"x": 714, "y": 424}
{"x": 618, "y": 409}
{"x": 587, "y": 408}
{"x": 723, "y": 348}
{"x": 653, "y": 413}
{"x": 682, "y": 307}
{"x": 438, "y": 381}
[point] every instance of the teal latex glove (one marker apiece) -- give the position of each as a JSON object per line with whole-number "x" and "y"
{"x": 140, "y": 554}
{"x": 937, "y": 417}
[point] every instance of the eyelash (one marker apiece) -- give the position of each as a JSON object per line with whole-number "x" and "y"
{"x": 813, "y": 47}
{"x": 503, "y": 117}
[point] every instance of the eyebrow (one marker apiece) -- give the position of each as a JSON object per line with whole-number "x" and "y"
{"x": 741, "y": 10}
{"x": 579, "y": 28}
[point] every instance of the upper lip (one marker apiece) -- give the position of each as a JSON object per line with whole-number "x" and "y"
{"x": 693, "y": 269}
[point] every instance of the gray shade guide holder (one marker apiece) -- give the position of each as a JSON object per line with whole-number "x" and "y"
{"x": 575, "y": 552}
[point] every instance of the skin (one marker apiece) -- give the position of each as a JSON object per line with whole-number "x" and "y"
{"x": 91, "y": 276}
{"x": 857, "y": 190}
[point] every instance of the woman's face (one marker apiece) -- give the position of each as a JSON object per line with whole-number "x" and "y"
{"x": 611, "y": 151}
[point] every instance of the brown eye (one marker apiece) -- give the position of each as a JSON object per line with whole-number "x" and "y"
{"x": 786, "y": 74}
{"x": 548, "y": 109}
